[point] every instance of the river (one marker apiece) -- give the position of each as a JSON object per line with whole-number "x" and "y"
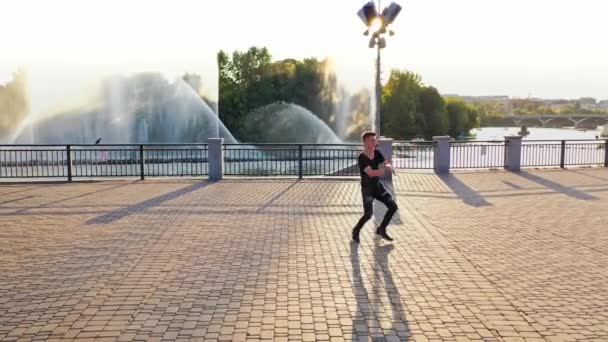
{"x": 498, "y": 133}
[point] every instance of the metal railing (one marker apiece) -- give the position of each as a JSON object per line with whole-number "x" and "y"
{"x": 176, "y": 160}
{"x": 414, "y": 154}
{"x": 104, "y": 161}
{"x": 330, "y": 160}
{"x": 562, "y": 153}
{"x": 44, "y": 161}
{"x": 96, "y": 161}
{"x": 154, "y": 160}
{"x": 291, "y": 159}
{"x": 477, "y": 154}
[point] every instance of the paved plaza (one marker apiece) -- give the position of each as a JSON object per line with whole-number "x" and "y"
{"x": 491, "y": 256}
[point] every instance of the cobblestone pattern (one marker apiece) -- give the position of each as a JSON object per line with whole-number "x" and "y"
{"x": 491, "y": 256}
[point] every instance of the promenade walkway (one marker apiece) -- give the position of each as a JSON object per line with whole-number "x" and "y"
{"x": 492, "y": 256}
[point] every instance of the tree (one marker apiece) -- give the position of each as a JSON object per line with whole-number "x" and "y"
{"x": 433, "y": 111}
{"x": 587, "y": 100}
{"x": 240, "y": 84}
{"x": 462, "y": 116}
{"x": 251, "y": 80}
{"x": 458, "y": 117}
{"x": 411, "y": 109}
{"x": 399, "y": 104}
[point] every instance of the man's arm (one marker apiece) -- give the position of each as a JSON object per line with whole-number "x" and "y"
{"x": 374, "y": 173}
{"x": 388, "y": 165}
{"x": 385, "y": 163}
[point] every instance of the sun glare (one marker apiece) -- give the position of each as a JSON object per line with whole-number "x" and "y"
{"x": 376, "y": 25}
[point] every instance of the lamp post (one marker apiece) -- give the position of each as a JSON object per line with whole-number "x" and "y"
{"x": 377, "y": 22}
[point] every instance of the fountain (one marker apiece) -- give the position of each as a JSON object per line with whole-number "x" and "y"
{"x": 148, "y": 108}
{"x": 604, "y": 133}
{"x": 144, "y": 108}
{"x": 142, "y": 132}
{"x": 288, "y": 123}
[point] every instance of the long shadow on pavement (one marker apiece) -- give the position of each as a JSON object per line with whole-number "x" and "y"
{"x": 569, "y": 191}
{"x": 16, "y": 200}
{"x": 121, "y": 213}
{"x": 96, "y": 192}
{"x": 463, "y": 191}
{"x": 588, "y": 175}
{"x": 276, "y": 197}
{"x": 365, "y": 306}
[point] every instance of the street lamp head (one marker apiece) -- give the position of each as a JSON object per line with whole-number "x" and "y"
{"x": 377, "y": 24}
{"x": 367, "y": 13}
{"x": 390, "y": 13}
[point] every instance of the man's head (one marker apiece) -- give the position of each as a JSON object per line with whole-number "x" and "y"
{"x": 369, "y": 140}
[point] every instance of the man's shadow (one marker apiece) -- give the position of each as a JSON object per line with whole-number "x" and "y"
{"x": 382, "y": 283}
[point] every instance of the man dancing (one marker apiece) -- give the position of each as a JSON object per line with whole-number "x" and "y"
{"x": 372, "y": 166}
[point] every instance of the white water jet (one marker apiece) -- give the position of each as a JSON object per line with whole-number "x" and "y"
{"x": 171, "y": 112}
{"x": 142, "y": 132}
{"x": 288, "y": 123}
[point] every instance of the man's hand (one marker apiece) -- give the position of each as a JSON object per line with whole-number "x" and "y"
{"x": 375, "y": 173}
{"x": 389, "y": 168}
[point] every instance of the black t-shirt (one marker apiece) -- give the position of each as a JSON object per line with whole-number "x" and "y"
{"x": 364, "y": 162}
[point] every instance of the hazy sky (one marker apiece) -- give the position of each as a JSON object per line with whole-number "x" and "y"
{"x": 546, "y": 48}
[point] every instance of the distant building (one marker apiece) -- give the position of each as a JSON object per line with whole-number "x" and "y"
{"x": 555, "y": 104}
{"x": 490, "y": 98}
{"x": 559, "y": 106}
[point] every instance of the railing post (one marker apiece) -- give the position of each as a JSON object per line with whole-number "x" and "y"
{"x": 442, "y": 154}
{"x": 562, "y": 160}
{"x": 606, "y": 153}
{"x": 300, "y": 162}
{"x": 69, "y": 160}
{"x": 141, "y": 162}
{"x": 215, "y": 158}
{"x": 385, "y": 146}
{"x": 513, "y": 153}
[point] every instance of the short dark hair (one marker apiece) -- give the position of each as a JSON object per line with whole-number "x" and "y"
{"x": 367, "y": 134}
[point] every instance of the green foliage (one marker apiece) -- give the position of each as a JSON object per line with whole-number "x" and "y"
{"x": 250, "y": 80}
{"x": 434, "y": 111}
{"x": 411, "y": 109}
{"x": 399, "y": 104}
{"x": 458, "y": 117}
{"x": 241, "y": 84}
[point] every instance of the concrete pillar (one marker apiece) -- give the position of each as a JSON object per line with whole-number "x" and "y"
{"x": 215, "y": 158}
{"x": 385, "y": 146}
{"x": 442, "y": 154}
{"x": 513, "y": 153}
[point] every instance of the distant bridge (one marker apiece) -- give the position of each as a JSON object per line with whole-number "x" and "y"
{"x": 589, "y": 121}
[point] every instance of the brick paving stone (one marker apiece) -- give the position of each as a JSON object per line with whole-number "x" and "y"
{"x": 478, "y": 256}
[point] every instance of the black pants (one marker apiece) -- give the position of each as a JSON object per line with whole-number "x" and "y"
{"x": 381, "y": 194}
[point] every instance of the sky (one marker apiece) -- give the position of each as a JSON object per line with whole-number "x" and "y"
{"x": 519, "y": 48}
